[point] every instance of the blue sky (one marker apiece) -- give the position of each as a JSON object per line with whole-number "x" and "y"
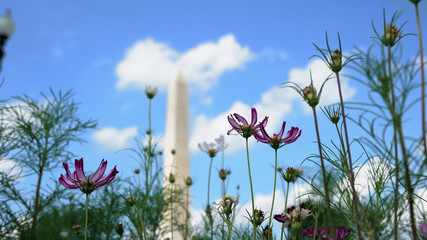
{"x": 234, "y": 54}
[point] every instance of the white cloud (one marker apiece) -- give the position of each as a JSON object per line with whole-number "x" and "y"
{"x": 110, "y": 138}
{"x": 275, "y": 103}
{"x": 10, "y": 168}
{"x": 153, "y": 63}
{"x": 272, "y": 55}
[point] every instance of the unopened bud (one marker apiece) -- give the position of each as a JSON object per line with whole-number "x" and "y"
{"x": 222, "y": 174}
{"x": 336, "y": 61}
{"x": 291, "y": 174}
{"x": 259, "y": 216}
{"x": 150, "y": 92}
{"x": 391, "y": 35}
{"x": 119, "y": 229}
{"x": 310, "y": 95}
{"x": 137, "y": 171}
{"x": 188, "y": 181}
{"x": 77, "y": 229}
{"x": 130, "y": 201}
{"x": 171, "y": 178}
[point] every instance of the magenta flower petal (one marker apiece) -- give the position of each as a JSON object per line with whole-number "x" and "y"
{"x": 68, "y": 173}
{"x": 80, "y": 170}
{"x": 108, "y": 178}
{"x": 101, "y": 170}
{"x": 280, "y": 134}
{"x": 254, "y": 117}
{"x": 241, "y": 119}
{"x": 67, "y": 183}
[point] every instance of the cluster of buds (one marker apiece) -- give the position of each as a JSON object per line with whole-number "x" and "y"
{"x": 309, "y": 94}
{"x": 223, "y": 173}
{"x": 391, "y": 35}
{"x": 150, "y": 92}
{"x": 291, "y": 174}
{"x": 227, "y": 205}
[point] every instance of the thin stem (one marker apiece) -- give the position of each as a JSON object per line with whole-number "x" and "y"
{"x": 315, "y": 229}
{"x": 274, "y": 187}
{"x": 350, "y": 162}
{"x": 252, "y": 191}
{"x": 209, "y": 179}
{"x": 423, "y": 96}
{"x": 284, "y": 211}
{"x": 229, "y": 231}
{"x": 397, "y": 170}
{"x": 140, "y": 221}
{"x": 171, "y": 211}
{"x": 187, "y": 217}
{"x": 325, "y": 182}
{"x": 86, "y": 214}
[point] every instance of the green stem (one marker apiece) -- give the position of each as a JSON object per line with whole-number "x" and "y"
{"x": 171, "y": 211}
{"x": 252, "y": 191}
{"x": 86, "y": 214}
{"x": 209, "y": 179}
{"x": 315, "y": 229}
{"x": 274, "y": 187}
{"x": 325, "y": 182}
{"x": 140, "y": 221}
{"x": 284, "y": 211}
{"x": 350, "y": 162}
{"x": 423, "y": 92}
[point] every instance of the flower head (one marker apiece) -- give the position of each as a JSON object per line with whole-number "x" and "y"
{"x": 290, "y": 174}
{"x": 150, "y": 92}
{"x": 86, "y": 184}
{"x": 294, "y": 215}
{"x": 242, "y": 127}
{"x": 391, "y": 33}
{"x": 340, "y": 232}
{"x": 310, "y": 232}
{"x": 423, "y": 228}
{"x": 213, "y": 148}
{"x": 227, "y": 205}
{"x": 333, "y": 59}
{"x": 277, "y": 140}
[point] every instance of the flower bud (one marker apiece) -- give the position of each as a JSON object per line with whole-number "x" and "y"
{"x": 150, "y": 92}
{"x": 77, "y": 229}
{"x": 173, "y": 151}
{"x": 336, "y": 61}
{"x": 222, "y": 174}
{"x": 188, "y": 181}
{"x": 259, "y": 216}
{"x": 267, "y": 233}
{"x": 137, "y": 171}
{"x": 130, "y": 201}
{"x": 310, "y": 95}
{"x": 291, "y": 174}
{"x": 391, "y": 35}
{"x": 171, "y": 178}
{"x": 415, "y": 1}
{"x": 119, "y": 229}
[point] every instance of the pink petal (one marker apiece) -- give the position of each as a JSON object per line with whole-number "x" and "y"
{"x": 80, "y": 171}
{"x": 241, "y": 119}
{"x": 108, "y": 178}
{"x": 254, "y": 117}
{"x": 280, "y": 134}
{"x": 98, "y": 174}
{"x": 66, "y": 183}
{"x": 68, "y": 173}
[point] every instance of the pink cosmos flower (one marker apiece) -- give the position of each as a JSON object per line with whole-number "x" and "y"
{"x": 340, "y": 232}
{"x": 242, "y": 127}
{"x": 276, "y": 141}
{"x": 423, "y": 228}
{"x": 86, "y": 184}
{"x": 310, "y": 232}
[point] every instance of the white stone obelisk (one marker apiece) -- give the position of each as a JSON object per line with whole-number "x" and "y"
{"x": 176, "y": 138}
